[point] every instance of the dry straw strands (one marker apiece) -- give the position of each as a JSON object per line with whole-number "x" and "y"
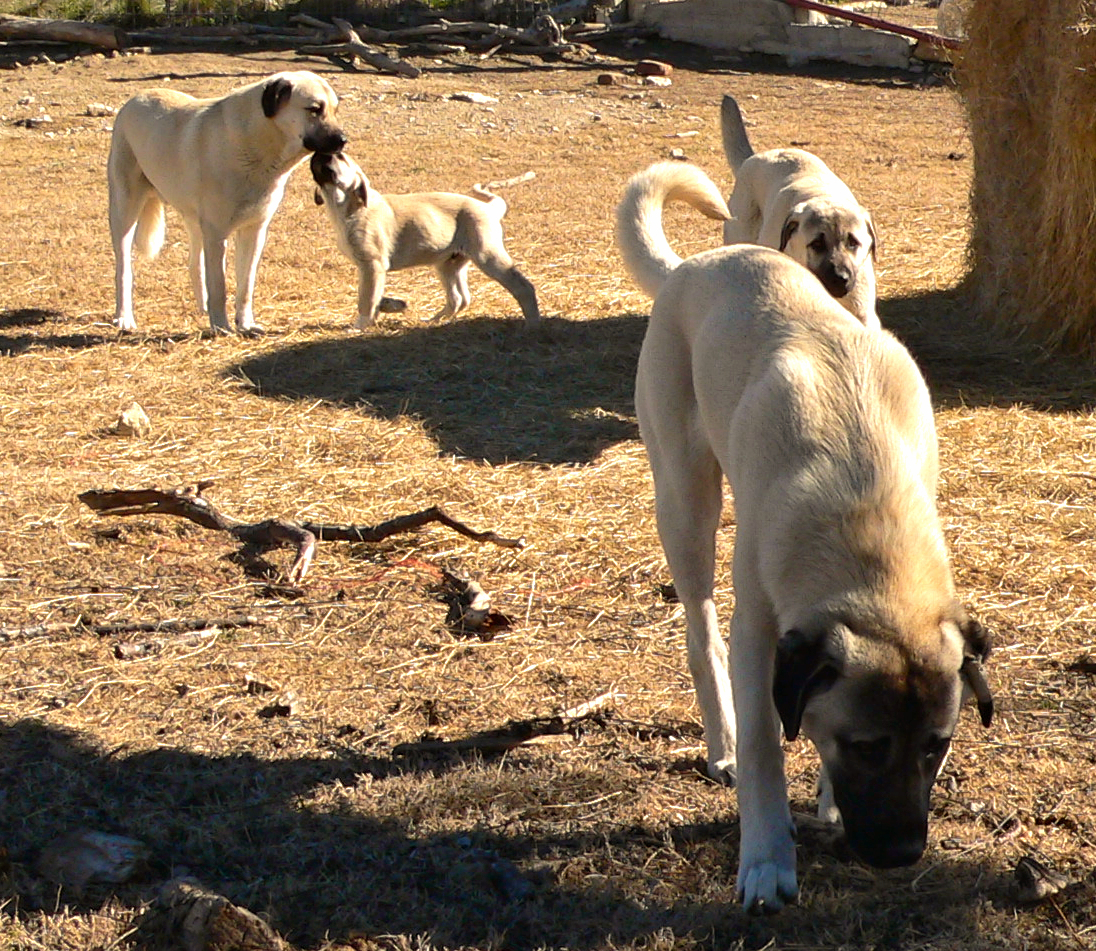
{"x": 1029, "y": 79}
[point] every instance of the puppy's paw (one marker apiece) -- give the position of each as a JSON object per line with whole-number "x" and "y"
{"x": 767, "y": 888}
{"x": 126, "y": 325}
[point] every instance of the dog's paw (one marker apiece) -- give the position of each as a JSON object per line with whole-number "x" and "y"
{"x": 766, "y": 887}
{"x": 723, "y": 770}
{"x": 125, "y": 324}
{"x": 391, "y": 305}
{"x": 251, "y": 330}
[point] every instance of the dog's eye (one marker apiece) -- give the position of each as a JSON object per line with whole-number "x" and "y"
{"x": 872, "y": 753}
{"x": 818, "y": 244}
{"x": 316, "y": 110}
{"x": 853, "y": 242}
{"x": 936, "y": 746}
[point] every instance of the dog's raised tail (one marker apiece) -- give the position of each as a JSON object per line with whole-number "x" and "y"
{"x": 646, "y": 252}
{"x": 149, "y": 237}
{"x": 736, "y": 143}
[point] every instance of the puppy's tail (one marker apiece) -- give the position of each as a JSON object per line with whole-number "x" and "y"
{"x": 736, "y": 143}
{"x": 150, "y": 228}
{"x": 484, "y": 194}
{"x": 646, "y": 252}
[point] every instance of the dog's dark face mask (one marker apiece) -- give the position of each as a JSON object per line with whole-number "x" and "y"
{"x": 883, "y": 734}
{"x": 835, "y": 246}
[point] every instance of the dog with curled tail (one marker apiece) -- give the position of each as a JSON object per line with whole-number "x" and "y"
{"x": 846, "y": 625}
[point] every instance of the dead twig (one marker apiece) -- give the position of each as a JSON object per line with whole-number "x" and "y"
{"x": 515, "y": 733}
{"x": 353, "y": 45}
{"x": 189, "y": 503}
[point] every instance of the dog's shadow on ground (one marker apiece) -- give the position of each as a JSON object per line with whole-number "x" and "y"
{"x": 300, "y": 841}
{"x": 484, "y": 389}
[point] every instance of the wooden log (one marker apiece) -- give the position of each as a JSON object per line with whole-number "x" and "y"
{"x": 99, "y": 35}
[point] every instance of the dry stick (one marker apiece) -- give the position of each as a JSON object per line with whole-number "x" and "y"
{"x": 189, "y": 503}
{"x": 513, "y": 734}
{"x": 353, "y": 46}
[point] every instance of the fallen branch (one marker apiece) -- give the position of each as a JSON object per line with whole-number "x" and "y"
{"x": 62, "y": 31}
{"x": 189, "y": 503}
{"x": 354, "y": 46}
{"x": 515, "y": 733}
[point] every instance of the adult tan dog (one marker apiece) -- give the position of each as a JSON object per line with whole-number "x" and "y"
{"x": 789, "y": 199}
{"x": 382, "y": 233}
{"x": 846, "y": 623}
{"x": 223, "y": 165}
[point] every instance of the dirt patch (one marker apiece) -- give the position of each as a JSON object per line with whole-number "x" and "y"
{"x": 309, "y": 818}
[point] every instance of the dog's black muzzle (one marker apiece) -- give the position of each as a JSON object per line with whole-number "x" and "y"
{"x": 325, "y": 141}
{"x": 836, "y": 280}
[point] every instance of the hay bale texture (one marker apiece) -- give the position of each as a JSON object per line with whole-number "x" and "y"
{"x": 1028, "y": 76}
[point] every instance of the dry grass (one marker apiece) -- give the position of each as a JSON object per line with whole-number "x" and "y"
{"x": 311, "y": 820}
{"x": 1027, "y": 76}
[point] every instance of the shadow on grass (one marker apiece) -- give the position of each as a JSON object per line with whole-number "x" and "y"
{"x": 336, "y": 845}
{"x": 967, "y": 362}
{"x": 485, "y": 389}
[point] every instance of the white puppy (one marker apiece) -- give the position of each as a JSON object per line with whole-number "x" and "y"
{"x": 382, "y": 233}
{"x": 223, "y": 165}
{"x": 845, "y": 621}
{"x": 789, "y": 199}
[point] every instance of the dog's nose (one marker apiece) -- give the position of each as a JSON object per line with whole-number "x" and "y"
{"x": 836, "y": 281}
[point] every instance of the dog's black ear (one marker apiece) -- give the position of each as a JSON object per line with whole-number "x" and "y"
{"x": 791, "y": 226}
{"x": 317, "y": 196}
{"x": 276, "y": 94}
{"x": 362, "y": 190}
{"x": 977, "y": 648}
{"x": 804, "y": 667}
{"x": 874, "y": 239}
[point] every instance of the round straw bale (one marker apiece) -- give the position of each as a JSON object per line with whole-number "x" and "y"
{"x": 1028, "y": 76}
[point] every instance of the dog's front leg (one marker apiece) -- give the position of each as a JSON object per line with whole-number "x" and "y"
{"x": 250, "y": 241}
{"x": 766, "y": 864}
{"x": 371, "y": 275}
{"x": 214, "y": 241}
{"x": 196, "y": 266}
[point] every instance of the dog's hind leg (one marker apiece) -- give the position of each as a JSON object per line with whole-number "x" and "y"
{"x": 453, "y": 274}
{"x": 500, "y": 267}
{"x": 136, "y": 221}
{"x": 688, "y": 502}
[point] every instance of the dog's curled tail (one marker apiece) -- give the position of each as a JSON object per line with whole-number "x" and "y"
{"x": 484, "y": 194}
{"x": 646, "y": 252}
{"x": 149, "y": 237}
{"x": 736, "y": 143}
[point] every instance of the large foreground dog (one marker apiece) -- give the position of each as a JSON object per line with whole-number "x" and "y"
{"x": 846, "y": 623}
{"x": 223, "y": 165}
{"x": 789, "y": 199}
{"x": 382, "y": 233}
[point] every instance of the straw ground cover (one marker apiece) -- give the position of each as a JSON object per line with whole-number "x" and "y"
{"x": 316, "y": 820}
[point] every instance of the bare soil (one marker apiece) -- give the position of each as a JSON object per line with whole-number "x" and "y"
{"x": 311, "y": 814}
